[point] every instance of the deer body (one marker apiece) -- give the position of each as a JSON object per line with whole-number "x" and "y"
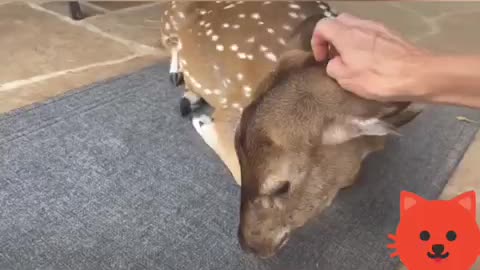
{"x": 289, "y": 134}
{"x": 224, "y": 50}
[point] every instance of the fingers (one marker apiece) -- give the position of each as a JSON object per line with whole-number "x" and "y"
{"x": 336, "y": 68}
{"x": 328, "y": 31}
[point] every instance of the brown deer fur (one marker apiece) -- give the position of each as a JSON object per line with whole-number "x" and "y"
{"x": 297, "y": 138}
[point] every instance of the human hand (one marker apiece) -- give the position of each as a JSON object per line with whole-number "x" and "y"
{"x": 371, "y": 61}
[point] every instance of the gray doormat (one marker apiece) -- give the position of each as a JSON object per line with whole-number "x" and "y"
{"x": 111, "y": 177}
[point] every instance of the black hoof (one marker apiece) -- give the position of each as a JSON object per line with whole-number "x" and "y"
{"x": 176, "y": 79}
{"x": 185, "y": 107}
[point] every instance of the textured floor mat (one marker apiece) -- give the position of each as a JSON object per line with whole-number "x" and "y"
{"x": 111, "y": 177}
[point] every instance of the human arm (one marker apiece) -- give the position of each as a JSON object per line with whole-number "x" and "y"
{"x": 376, "y": 63}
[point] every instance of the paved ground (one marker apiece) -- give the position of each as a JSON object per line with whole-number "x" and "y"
{"x": 47, "y": 53}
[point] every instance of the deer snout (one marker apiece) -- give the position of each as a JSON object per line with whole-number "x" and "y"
{"x": 263, "y": 246}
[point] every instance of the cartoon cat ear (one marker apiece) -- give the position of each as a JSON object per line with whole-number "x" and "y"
{"x": 408, "y": 200}
{"x": 468, "y": 201}
{"x": 337, "y": 133}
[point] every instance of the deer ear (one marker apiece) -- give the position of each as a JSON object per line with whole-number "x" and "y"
{"x": 340, "y": 132}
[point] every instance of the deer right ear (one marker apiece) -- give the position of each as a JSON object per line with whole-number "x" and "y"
{"x": 340, "y": 132}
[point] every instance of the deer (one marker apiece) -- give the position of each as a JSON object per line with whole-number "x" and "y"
{"x": 290, "y": 135}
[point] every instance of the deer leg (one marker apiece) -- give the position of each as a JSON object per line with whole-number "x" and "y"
{"x": 212, "y": 132}
{"x": 189, "y": 102}
{"x": 176, "y": 74}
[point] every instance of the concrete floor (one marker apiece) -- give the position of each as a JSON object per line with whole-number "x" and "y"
{"x": 48, "y": 54}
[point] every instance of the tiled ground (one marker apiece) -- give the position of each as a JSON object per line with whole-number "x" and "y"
{"x": 53, "y": 54}
{"x": 48, "y": 54}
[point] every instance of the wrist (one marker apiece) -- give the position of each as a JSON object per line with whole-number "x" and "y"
{"x": 447, "y": 79}
{"x": 421, "y": 83}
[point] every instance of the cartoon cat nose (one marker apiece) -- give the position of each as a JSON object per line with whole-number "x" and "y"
{"x": 438, "y": 249}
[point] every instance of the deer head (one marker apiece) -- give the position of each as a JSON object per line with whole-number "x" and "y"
{"x": 301, "y": 137}
{"x": 301, "y": 140}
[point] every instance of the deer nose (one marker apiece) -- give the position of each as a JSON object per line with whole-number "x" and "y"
{"x": 241, "y": 240}
{"x": 438, "y": 249}
{"x": 243, "y": 243}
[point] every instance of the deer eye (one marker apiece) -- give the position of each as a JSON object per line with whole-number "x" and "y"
{"x": 282, "y": 189}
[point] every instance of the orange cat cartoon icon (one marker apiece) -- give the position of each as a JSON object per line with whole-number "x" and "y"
{"x": 437, "y": 234}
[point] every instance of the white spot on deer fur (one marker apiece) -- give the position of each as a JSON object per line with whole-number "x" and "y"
{"x": 239, "y": 76}
{"x": 251, "y": 40}
{"x": 241, "y": 15}
{"x": 165, "y": 12}
{"x": 293, "y": 15}
{"x": 241, "y": 55}
{"x": 255, "y": 16}
{"x": 282, "y": 41}
{"x": 328, "y": 14}
{"x": 263, "y": 48}
{"x": 323, "y": 6}
{"x": 270, "y": 30}
{"x": 223, "y": 100}
{"x": 260, "y": 23}
{"x": 236, "y": 26}
{"x": 219, "y": 47}
{"x": 167, "y": 26}
{"x": 234, "y": 47}
{"x": 207, "y": 25}
{"x": 236, "y": 105}
{"x": 287, "y": 27}
{"x": 214, "y": 38}
{"x": 267, "y": 3}
{"x": 294, "y": 6}
{"x": 247, "y": 89}
{"x": 181, "y": 15}
{"x": 229, "y": 6}
{"x": 250, "y": 56}
{"x": 203, "y": 12}
{"x": 228, "y": 80}
{"x": 225, "y": 25}
{"x": 217, "y": 91}
{"x": 209, "y": 32}
{"x": 201, "y": 22}
{"x": 207, "y": 91}
{"x": 271, "y": 56}
{"x": 215, "y": 67}
{"x": 303, "y": 16}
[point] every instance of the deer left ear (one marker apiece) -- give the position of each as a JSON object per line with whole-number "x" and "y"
{"x": 468, "y": 201}
{"x": 340, "y": 132}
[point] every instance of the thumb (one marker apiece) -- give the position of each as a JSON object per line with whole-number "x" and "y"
{"x": 336, "y": 68}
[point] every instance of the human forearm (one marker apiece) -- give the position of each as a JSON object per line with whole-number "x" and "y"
{"x": 377, "y": 64}
{"x": 451, "y": 80}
